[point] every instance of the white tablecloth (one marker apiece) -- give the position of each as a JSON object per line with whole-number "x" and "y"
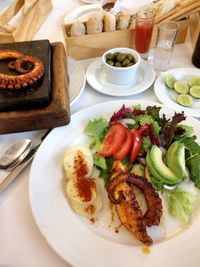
{"x": 21, "y": 243}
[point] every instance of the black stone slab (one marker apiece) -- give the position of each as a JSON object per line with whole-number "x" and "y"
{"x": 36, "y": 96}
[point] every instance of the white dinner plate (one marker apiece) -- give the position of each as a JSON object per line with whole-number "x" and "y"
{"x": 86, "y": 243}
{"x": 77, "y": 79}
{"x": 96, "y": 77}
{"x": 168, "y": 96}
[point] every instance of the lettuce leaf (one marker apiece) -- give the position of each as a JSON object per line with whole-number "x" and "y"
{"x": 192, "y": 157}
{"x": 193, "y": 165}
{"x": 146, "y": 119}
{"x": 154, "y": 112}
{"x": 180, "y": 204}
{"x": 188, "y": 130}
{"x": 97, "y": 129}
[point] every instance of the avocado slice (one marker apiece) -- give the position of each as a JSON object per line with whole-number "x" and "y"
{"x": 169, "y": 178}
{"x": 175, "y": 159}
{"x": 155, "y": 178}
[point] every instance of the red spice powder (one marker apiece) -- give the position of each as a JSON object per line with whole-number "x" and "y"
{"x": 80, "y": 165}
{"x": 90, "y": 210}
{"x": 85, "y": 187}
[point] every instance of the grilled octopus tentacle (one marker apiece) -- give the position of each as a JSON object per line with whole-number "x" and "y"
{"x": 126, "y": 205}
{"x": 131, "y": 215}
{"x": 31, "y": 69}
{"x": 154, "y": 203}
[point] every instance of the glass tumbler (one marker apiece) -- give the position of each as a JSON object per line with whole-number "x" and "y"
{"x": 144, "y": 24}
{"x": 165, "y": 41}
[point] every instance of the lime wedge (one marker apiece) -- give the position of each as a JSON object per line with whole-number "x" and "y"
{"x": 185, "y": 100}
{"x": 195, "y": 91}
{"x": 170, "y": 80}
{"x": 194, "y": 81}
{"x": 181, "y": 87}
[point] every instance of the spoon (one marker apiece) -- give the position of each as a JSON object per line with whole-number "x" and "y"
{"x": 15, "y": 154}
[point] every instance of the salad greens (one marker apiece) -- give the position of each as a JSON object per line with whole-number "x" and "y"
{"x": 155, "y": 130}
{"x": 192, "y": 157}
{"x": 181, "y": 204}
{"x": 97, "y": 129}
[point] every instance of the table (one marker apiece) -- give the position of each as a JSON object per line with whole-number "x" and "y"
{"x": 21, "y": 243}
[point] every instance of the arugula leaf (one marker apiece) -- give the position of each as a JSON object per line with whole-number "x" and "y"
{"x": 181, "y": 203}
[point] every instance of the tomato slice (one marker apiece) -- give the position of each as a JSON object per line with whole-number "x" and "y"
{"x": 113, "y": 140}
{"x": 137, "y": 140}
{"x": 125, "y": 147}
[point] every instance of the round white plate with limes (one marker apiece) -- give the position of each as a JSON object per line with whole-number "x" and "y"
{"x": 173, "y": 98}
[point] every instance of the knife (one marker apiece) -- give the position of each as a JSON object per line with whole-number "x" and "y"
{"x": 13, "y": 174}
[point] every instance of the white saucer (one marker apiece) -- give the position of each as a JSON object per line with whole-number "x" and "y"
{"x": 96, "y": 77}
{"x": 168, "y": 97}
{"x": 77, "y": 79}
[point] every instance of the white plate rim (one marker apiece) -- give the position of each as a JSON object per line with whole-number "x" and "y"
{"x": 81, "y": 75}
{"x": 160, "y": 90}
{"x": 139, "y": 87}
{"x": 93, "y": 250}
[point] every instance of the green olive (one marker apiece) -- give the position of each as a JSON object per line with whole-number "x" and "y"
{"x": 110, "y": 56}
{"x": 121, "y": 57}
{"x": 118, "y": 64}
{"x": 125, "y": 62}
{"x": 131, "y": 58}
{"x": 130, "y": 64}
{"x": 115, "y": 55}
{"x": 110, "y": 62}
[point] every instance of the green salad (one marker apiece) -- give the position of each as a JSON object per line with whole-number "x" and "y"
{"x": 164, "y": 151}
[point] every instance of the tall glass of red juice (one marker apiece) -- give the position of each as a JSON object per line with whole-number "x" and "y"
{"x": 143, "y": 32}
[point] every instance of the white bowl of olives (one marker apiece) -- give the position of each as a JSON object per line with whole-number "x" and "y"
{"x": 121, "y": 65}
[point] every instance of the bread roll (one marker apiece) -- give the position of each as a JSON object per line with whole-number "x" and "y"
{"x": 132, "y": 22}
{"x": 123, "y": 19}
{"x": 77, "y": 29}
{"x": 94, "y": 25}
{"x": 109, "y": 22}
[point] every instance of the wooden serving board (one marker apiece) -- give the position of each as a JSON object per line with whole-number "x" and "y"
{"x": 57, "y": 113}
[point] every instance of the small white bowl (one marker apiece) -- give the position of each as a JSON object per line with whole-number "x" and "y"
{"x": 122, "y": 75}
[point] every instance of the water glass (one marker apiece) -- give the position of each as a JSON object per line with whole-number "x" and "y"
{"x": 166, "y": 37}
{"x": 143, "y": 32}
